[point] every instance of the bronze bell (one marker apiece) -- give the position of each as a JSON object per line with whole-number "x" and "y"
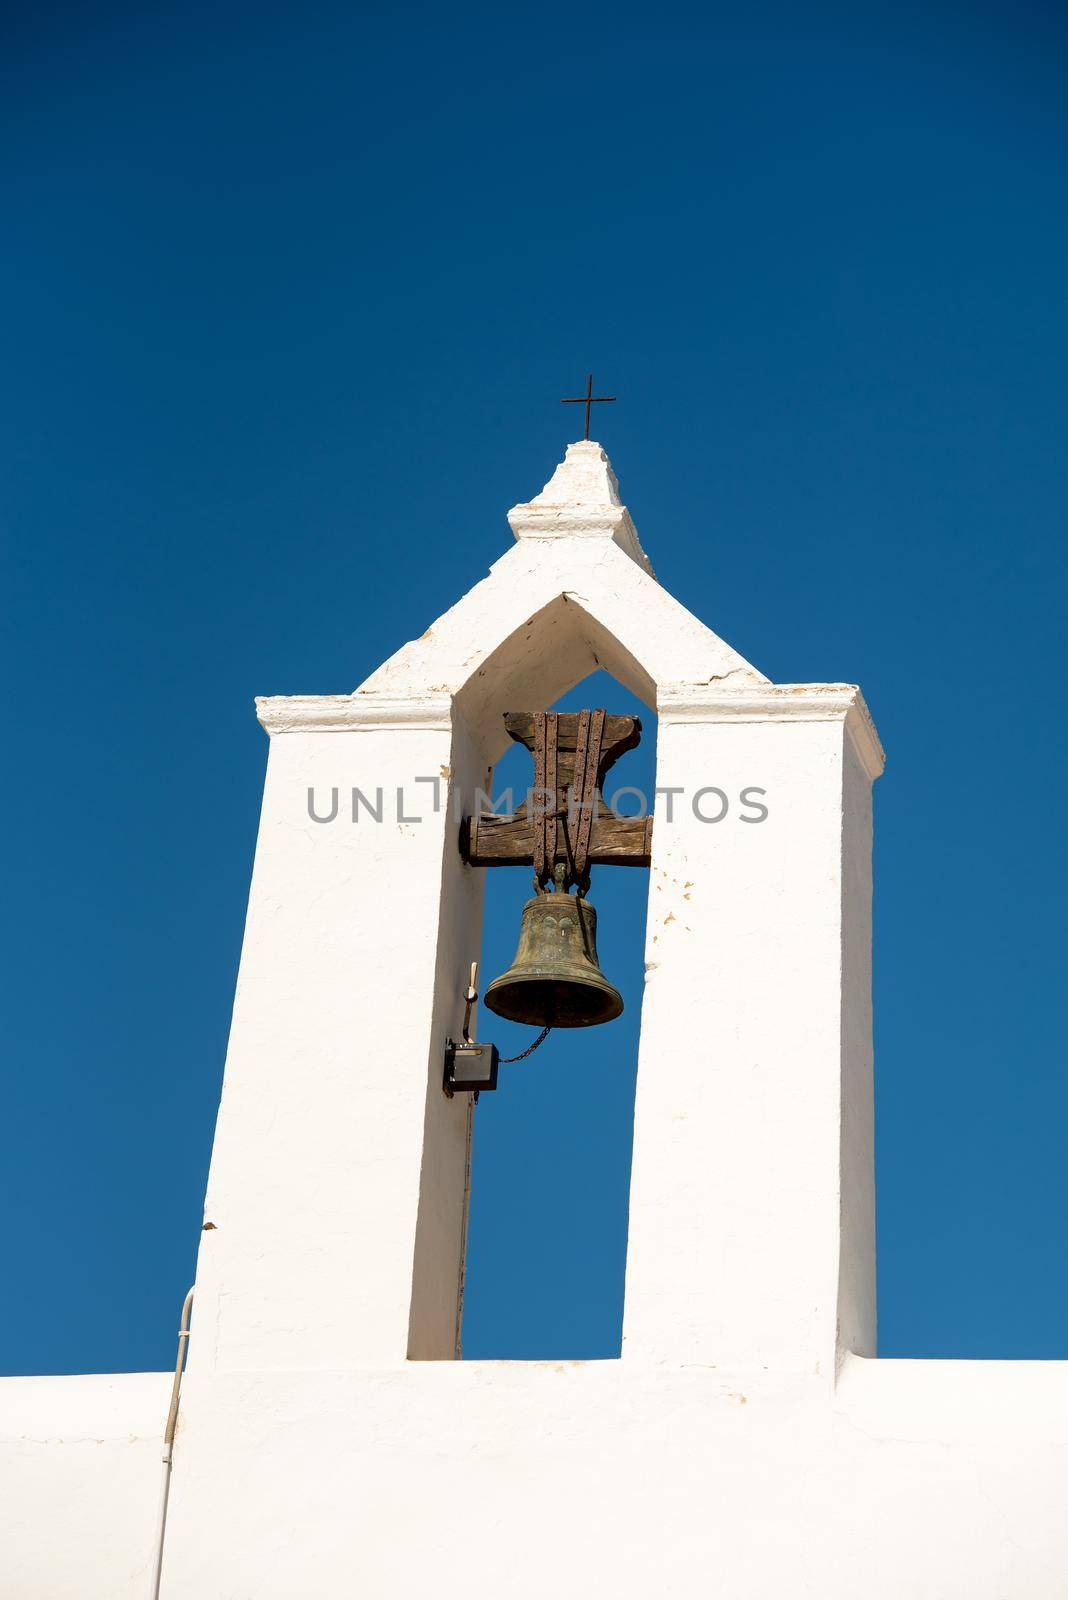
{"x": 555, "y": 980}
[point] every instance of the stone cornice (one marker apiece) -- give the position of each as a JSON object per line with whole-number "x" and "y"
{"x": 346, "y": 713}
{"x": 676, "y": 702}
{"x": 778, "y": 702}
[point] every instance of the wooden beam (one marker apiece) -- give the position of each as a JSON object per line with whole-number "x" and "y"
{"x": 508, "y": 841}
{"x": 620, "y": 735}
{"x": 490, "y": 840}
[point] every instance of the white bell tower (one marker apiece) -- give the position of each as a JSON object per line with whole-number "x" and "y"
{"x": 331, "y": 1442}
{"x": 338, "y": 1181}
{"x": 746, "y": 1443}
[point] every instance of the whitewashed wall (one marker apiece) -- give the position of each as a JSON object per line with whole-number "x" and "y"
{"x": 337, "y": 1159}
{"x": 754, "y": 1053}
{"x": 80, "y": 1463}
{"x": 944, "y": 1480}
{"x": 940, "y": 1480}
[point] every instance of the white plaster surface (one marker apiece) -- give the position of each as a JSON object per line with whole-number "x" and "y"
{"x": 580, "y": 499}
{"x": 554, "y": 608}
{"x": 743, "y": 1446}
{"x": 334, "y": 1070}
{"x": 79, "y": 1484}
{"x": 944, "y": 1480}
{"x": 735, "y": 1245}
{"x": 940, "y": 1480}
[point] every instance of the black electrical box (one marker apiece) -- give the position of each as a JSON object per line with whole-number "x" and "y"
{"x": 470, "y": 1067}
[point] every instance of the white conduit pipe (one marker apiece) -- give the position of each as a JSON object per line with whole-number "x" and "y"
{"x": 168, "y": 1447}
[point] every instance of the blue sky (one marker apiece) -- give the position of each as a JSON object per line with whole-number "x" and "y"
{"x": 289, "y": 297}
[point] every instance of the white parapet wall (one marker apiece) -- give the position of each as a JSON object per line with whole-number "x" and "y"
{"x": 477, "y": 1480}
{"x": 80, "y": 1464}
{"x": 940, "y": 1479}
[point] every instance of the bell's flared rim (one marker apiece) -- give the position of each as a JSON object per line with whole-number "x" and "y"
{"x": 541, "y": 999}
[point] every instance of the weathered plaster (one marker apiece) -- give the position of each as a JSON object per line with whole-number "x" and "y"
{"x": 581, "y": 499}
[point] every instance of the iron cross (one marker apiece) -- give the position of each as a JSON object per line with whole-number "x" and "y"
{"x": 588, "y": 399}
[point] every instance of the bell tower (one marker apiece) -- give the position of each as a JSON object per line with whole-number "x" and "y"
{"x": 332, "y": 1262}
{"x": 329, "y": 1441}
{"x": 338, "y": 1183}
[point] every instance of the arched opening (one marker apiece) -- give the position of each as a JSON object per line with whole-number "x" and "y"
{"x": 546, "y": 1248}
{"x": 547, "y": 1235}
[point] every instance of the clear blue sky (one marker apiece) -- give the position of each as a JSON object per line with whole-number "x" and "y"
{"x": 289, "y": 294}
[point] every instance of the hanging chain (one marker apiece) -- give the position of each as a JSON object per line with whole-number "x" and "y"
{"x": 506, "y": 1061}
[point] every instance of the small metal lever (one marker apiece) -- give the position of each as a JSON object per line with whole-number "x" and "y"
{"x": 470, "y": 999}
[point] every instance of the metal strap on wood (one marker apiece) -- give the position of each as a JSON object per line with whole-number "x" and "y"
{"x": 587, "y": 762}
{"x": 546, "y": 801}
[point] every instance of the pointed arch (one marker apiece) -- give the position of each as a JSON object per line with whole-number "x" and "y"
{"x": 549, "y": 613}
